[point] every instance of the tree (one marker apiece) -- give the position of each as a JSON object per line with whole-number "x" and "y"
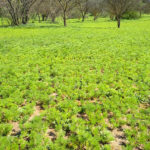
{"x": 14, "y": 11}
{"x": 146, "y": 7}
{"x": 118, "y": 7}
{"x": 26, "y": 6}
{"x": 83, "y": 6}
{"x": 18, "y": 10}
{"x": 46, "y": 8}
{"x": 1, "y": 6}
{"x": 66, "y": 6}
{"x": 140, "y": 7}
{"x": 96, "y": 8}
{"x": 42, "y": 7}
{"x": 54, "y": 10}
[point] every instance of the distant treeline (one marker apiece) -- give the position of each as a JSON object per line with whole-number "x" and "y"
{"x": 20, "y": 11}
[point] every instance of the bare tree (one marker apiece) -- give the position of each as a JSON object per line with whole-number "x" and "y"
{"x": 146, "y": 7}
{"x": 43, "y": 9}
{"x": 83, "y": 6}
{"x": 26, "y": 6}
{"x": 46, "y": 8}
{"x": 140, "y": 7}
{"x": 1, "y": 6}
{"x": 66, "y": 6}
{"x": 118, "y": 7}
{"x": 14, "y": 10}
{"x": 96, "y": 7}
{"x": 54, "y": 10}
{"x": 18, "y": 10}
{"x": 37, "y": 10}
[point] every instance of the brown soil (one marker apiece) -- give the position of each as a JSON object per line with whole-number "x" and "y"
{"x": 37, "y": 111}
{"x": 139, "y": 148}
{"x": 53, "y": 95}
{"x": 119, "y": 136}
{"x": 51, "y": 134}
{"x": 120, "y": 139}
{"x": 24, "y": 103}
{"x": 110, "y": 127}
{"x": 16, "y": 129}
{"x": 144, "y": 106}
{"x": 83, "y": 116}
{"x": 78, "y": 102}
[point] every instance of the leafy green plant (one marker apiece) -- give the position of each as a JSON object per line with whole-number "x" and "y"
{"x": 81, "y": 83}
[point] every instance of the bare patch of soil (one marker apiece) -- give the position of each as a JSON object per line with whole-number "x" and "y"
{"x": 115, "y": 146}
{"x": 26, "y": 138}
{"x": 129, "y": 111}
{"x": 144, "y": 105}
{"x": 93, "y": 101}
{"x": 83, "y": 116}
{"x": 78, "y": 102}
{"x": 110, "y": 114}
{"x": 68, "y": 133}
{"x": 24, "y": 103}
{"x": 109, "y": 126}
{"x": 16, "y": 129}
{"x": 120, "y": 138}
{"x": 51, "y": 134}
{"x": 126, "y": 127}
{"x": 54, "y": 94}
{"x": 37, "y": 111}
{"x": 139, "y": 148}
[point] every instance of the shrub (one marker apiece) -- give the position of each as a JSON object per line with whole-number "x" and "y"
{"x": 131, "y": 15}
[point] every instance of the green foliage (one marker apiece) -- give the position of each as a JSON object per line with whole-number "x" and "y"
{"x": 87, "y": 79}
{"x": 5, "y": 129}
{"x": 131, "y": 15}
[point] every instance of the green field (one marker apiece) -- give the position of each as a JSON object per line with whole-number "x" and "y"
{"x": 83, "y": 87}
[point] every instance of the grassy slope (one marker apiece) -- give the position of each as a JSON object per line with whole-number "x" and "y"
{"x": 100, "y": 75}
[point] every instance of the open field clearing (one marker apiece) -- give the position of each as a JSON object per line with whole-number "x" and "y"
{"x": 83, "y": 87}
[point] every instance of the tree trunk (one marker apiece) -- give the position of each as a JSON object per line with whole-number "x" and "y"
{"x": 95, "y": 17}
{"x": 83, "y": 18}
{"x": 118, "y": 22}
{"x": 46, "y": 17}
{"x": 15, "y": 21}
{"x": 53, "y": 19}
{"x": 65, "y": 23}
{"x": 25, "y": 18}
{"x": 140, "y": 13}
{"x": 43, "y": 17}
{"x": 13, "y": 14}
{"x": 39, "y": 18}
